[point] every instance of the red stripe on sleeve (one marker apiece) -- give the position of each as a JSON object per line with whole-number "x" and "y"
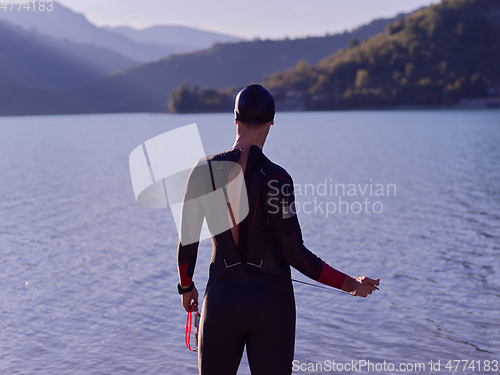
{"x": 185, "y": 279}
{"x": 330, "y": 276}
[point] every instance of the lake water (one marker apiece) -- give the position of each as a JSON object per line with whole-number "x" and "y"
{"x": 88, "y": 278}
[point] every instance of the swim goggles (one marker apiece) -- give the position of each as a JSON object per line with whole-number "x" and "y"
{"x": 189, "y": 322}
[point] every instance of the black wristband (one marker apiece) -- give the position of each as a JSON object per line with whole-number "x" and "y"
{"x": 187, "y": 290}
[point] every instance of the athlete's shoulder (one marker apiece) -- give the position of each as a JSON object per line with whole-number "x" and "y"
{"x": 273, "y": 170}
{"x": 229, "y": 155}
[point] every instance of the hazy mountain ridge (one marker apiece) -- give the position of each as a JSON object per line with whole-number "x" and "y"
{"x": 34, "y": 65}
{"x": 178, "y": 38}
{"x": 45, "y": 62}
{"x": 64, "y": 23}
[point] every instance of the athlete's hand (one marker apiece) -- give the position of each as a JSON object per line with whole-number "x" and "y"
{"x": 362, "y": 286}
{"x": 190, "y": 300}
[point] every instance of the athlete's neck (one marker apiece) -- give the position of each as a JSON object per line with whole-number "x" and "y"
{"x": 248, "y": 136}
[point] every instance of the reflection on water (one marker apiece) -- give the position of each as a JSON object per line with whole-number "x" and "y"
{"x": 87, "y": 277}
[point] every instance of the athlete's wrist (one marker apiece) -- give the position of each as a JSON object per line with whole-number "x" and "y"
{"x": 349, "y": 284}
{"x": 332, "y": 277}
{"x": 183, "y": 289}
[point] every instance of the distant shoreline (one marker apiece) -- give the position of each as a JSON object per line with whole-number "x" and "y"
{"x": 374, "y": 108}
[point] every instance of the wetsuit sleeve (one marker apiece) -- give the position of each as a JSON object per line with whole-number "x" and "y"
{"x": 285, "y": 228}
{"x": 190, "y": 227}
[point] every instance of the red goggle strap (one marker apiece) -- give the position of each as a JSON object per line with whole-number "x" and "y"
{"x": 189, "y": 323}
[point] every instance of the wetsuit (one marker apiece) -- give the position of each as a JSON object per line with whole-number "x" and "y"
{"x": 249, "y": 298}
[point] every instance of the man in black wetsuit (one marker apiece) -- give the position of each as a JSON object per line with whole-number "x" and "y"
{"x": 248, "y": 204}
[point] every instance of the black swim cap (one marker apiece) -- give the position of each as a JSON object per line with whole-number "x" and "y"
{"x": 254, "y": 105}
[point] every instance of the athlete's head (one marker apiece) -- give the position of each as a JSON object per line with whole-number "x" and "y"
{"x": 254, "y": 105}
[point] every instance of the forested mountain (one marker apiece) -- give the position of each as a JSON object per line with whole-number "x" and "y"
{"x": 436, "y": 56}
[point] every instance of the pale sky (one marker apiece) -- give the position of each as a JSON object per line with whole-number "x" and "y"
{"x": 266, "y": 19}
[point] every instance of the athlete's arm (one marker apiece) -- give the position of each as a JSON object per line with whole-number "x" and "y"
{"x": 280, "y": 205}
{"x": 190, "y": 229}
